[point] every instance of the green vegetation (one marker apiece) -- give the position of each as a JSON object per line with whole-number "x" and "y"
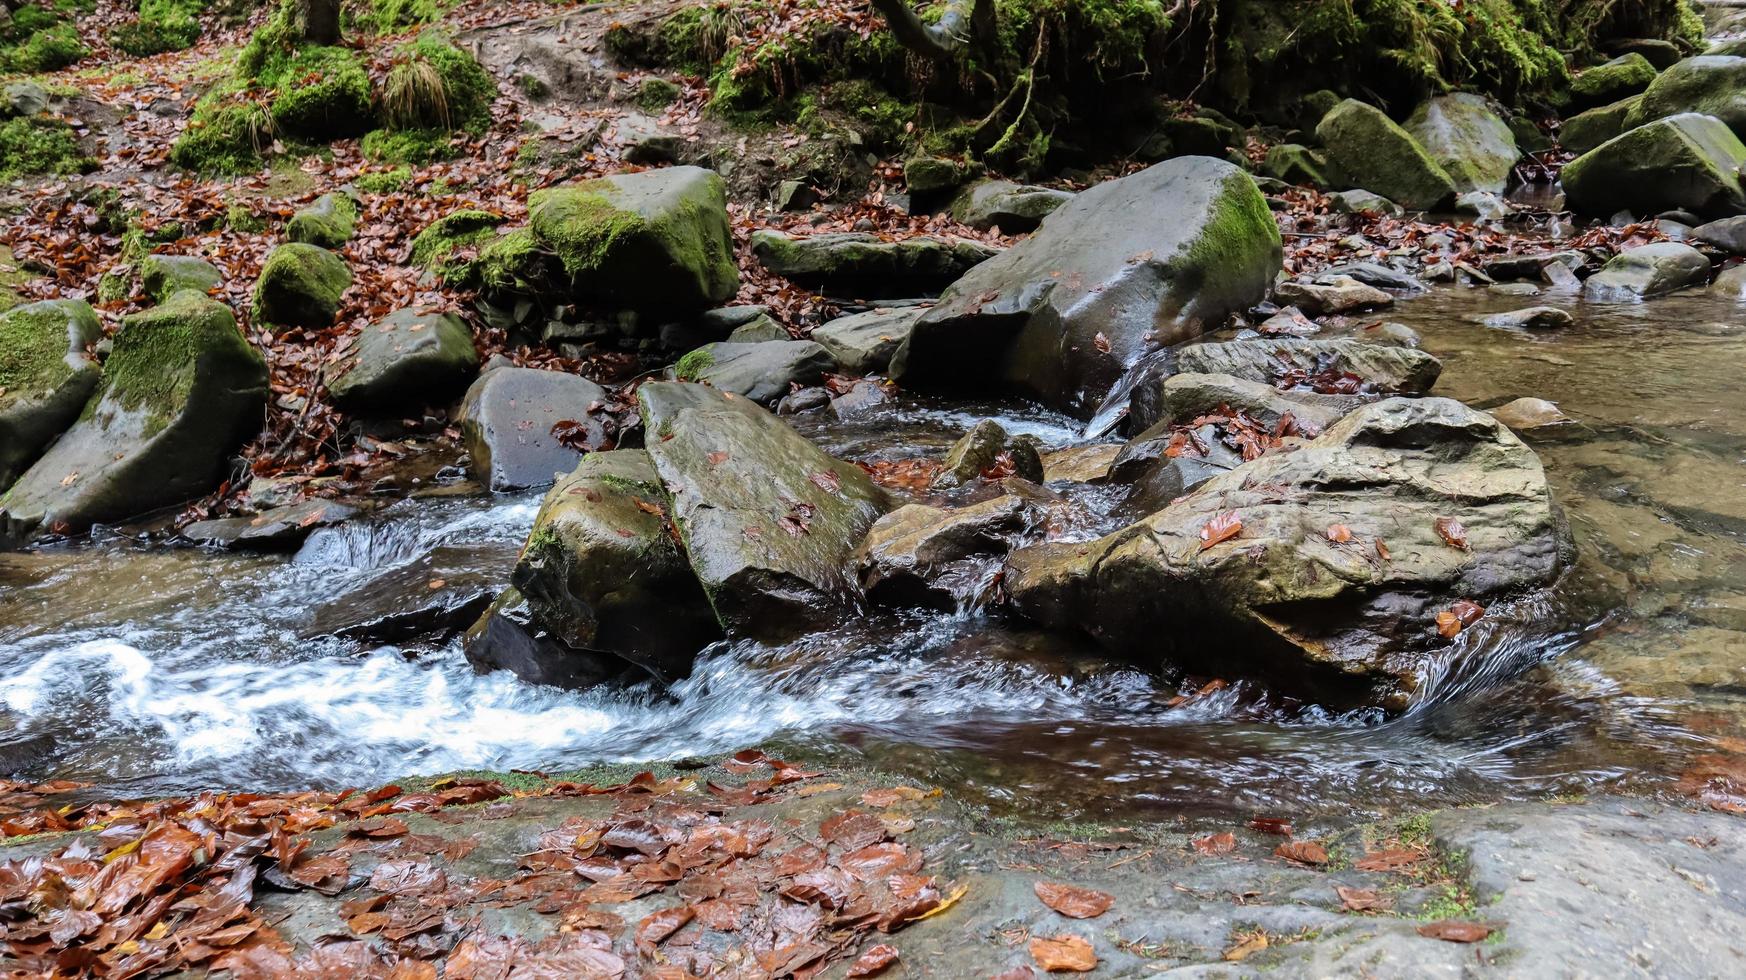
{"x": 40, "y": 146}
{"x": 391, "y": 16}
{"x": 443, "y": 237}
{"x": 433, "y": 90}
{"x": 385, "y": 181}
{"x": 162, "y": 25}
{"x": 33, "y": 344}
{"x": 692, "y": 366}
{"x": 656, "y": 94}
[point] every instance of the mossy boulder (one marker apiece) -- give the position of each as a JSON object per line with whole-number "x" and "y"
{"x": 769, "y": 523}
{"x": 322, "y": 94}
{"x": 1687, "y": 161}
{"x": 1125, "y": 268}
{"x": 22, "y": 98}
{"x": 1005, "y": 205}
{"x": 655, "y": 242}
{"x": 1622, "y": 77}
{"x": 1587, "y": 130}
{"x": 162, "y": 276}
{"x": 45, "y": 377}
{"x": 857, "y": 264}
{"x": 1711, "y": 85}
{"x": 434, "y": 248}
{"x": 301, "y": 286}
{"x": 507, "y": 421}
{"x": 762, "y": 372}
{"x": 603, "y": 572}
{"x": 1367, "y": 149}
{"x": 225, "y": 136}
{"x": 180, "y": 392}
{"x": 403, "y": 362}
{"x": 1277, "y": 599}
{"x": 1473, "y": 144}
{"x": 329, "y": 221}
{"x": 934, "y": 177}
{"x": 40, "y": 146}
{"x": 1296, "y": 164}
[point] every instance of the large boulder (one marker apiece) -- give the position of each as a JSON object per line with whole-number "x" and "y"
{"x": 1648, "y": 270}
{"x": 1622, "y": 77}
{"x": 1473, "y": 144}
{"x": 301, "y": 286}
{"x": 1709, "y": 85}
{"x": 769, "y": 523}
{"x": 1338, "y": 367}
{"x": 328, "y": 221}
{"x": 163, "y": 275}
{"x": 1587, "y": 130}
{"x": 655, "y": 242}
{"x": 603, "y": 573}
{"x": 1125, "y": 268}
{"x": 864, "y": 343}
{"x": 1322, "y": 571}
{"x": 403, "y": 362}
{"x": 180, "y": 392}
{"x": 1005, "y": 205}
{"x": 1689, "y": 162}
{"x": 45, "y": 377}
{"x": 763, "y": 371}
{"x": 856, "y": 264}
{"x": 1367, "y": 149}
{"x": 507, "y": 421}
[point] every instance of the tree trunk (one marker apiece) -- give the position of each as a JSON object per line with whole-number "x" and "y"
{"x": 963, "y": 25}
{"x": 320, "y": 20}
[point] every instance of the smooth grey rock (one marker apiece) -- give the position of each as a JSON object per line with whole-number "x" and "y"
{"x": 430, "y": 598}
{"x": 864, "y": 343}
{"x": 856, "y": 264}
{"x": 918, "y": 555}
{"x": 403, "y": 362}
{"x": 642, "y": 139}
{"x": 1529, "y": 413}
{"x": 507, "y": 419}
{"x": 1181, "y": 398}
{"x": 1648, "y": 270}
{"x": 1378, "y": 275}
{"x": 1685, "y": 161}
{"x": 277, "y": 529}
{"x": 1360, "y": 201}
{"x": 1727, "y": 234}
{"x": 1390, "y": 369}
{"x": 507, "y": 637}
{"x": 1731, "y": 283}
{"x": 24, "y": 98}
{"x": 1011, "y": 207}
{"x": 1473, "y": 144}
{"x": 1532, "y": 318}
{"x": 758, "y": 331}
{"x": 1326, "y": 295}
{"x": 763, "y": 371}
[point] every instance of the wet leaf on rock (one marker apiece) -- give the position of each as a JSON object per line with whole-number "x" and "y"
{"x": 1271, "y": 825}
{"x": 1222, "y": 527}
{"x": 1214, "y": 844}
{"x": 1302, "y": 852}
{"x": 1073, "y": 901}
{"x": 1452, "y": 532}
{"x": 1362, "y": 899}
{"x": 1456, "y": 931}
{"x": 874, "y": 961}
{"x": 1063, "y": 954}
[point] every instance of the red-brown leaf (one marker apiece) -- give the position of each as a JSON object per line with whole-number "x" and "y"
{"x": 1271, "y": 825}
{"x": 1063, "y": 954}
{"x": 1455, "y": 931}
{"x": 1222, "y": 527}
{"x": 657, "y": 926}
{"x": 1302, "y": 851}
{"x": 1452, "y": 532}
{"x": 1073, "y": 901}
{"x": 1214, "y": 844}
{"x": 874, "y": 961}
{"x": 1339, "y": 533}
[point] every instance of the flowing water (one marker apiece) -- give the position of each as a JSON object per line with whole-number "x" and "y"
{"x": 149, "y": 669}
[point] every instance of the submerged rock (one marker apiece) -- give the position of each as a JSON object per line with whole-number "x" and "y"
{"x": 1532, "y": 318}
{"x": 1126, "y": 267}
{"x": 855, "y": 264}
{"x": 301, "y": 286}
{"x": 46, "y": 376}
{"x": 403, "y": 362}
{"x": 769, "y": 523}
{"x": 1008, "y": 206}
{"x": 1648, "y": 270}
{"x": 865, "y": 342}
{"x": 1295, "y": 363}
{"x": 603, "y": 573}
{"x": 1367, "y": 149}
{"x": 162, "y": 276}
{"x": 656, "y": 242}
{"x": 507, "y": 419}
{"x": 763, "y": 371}
{"x": 180, "y": 392}
{"x": 1322, "y": 571}
{"x": 278, "y": 529}
{"x": 1326, "y": 295}
{"x": 507, "y": 637}
{"x": 1708, "y": 84}
{"x": 1473, "y": 144}
{"x": 1524, "y": 414}
{"x": 1686, "y": 161}
{"x": 430, "y": 598}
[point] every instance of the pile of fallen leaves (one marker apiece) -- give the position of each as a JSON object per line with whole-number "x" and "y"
{"x": 155, "y": 888}
{"x": 1236, "y": 429}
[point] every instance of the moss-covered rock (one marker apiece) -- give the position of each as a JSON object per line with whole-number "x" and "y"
{"x": 603, "y": 572}
{"x": 656, "y": 94}
{"x": 1587, "y": 130}
{"x": 432, "y": 91}
{"x": 1296, "y": 164}
{"x": 404, "y": 362}
{"x": 162, "y": 276}
{"x": 22, "y": 98}
{"x": 44, "y": 49}
{"x": 1005, "y": 205}
{"x": 301, "y": 286}
{"x": 328, "y": 221}
{"x": 228, "y": 134}
{"x": 45, "y": 377}
{"x": 1713, "y": 86}
{"x": 768, "y": 522}
{"x": 181, "y": 390}
{"x": 762, "y": 372}
{"x": 655, "y": 242}
{"x": 1622, "y": 77}
{"x": 322, "y": 94}
{"x": 1367, "y": 149}
{"x": 40, "y": 146}
{"x": 434, "y": 248}
{"x": 1687, "y": 161}
{"x": 1473, "y": 144}
{"x": 162, "y": 25}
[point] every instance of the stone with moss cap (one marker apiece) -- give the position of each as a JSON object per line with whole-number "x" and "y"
{"x": 162, "y": 276}
{"x": 1473, "y": 144}
{"x": 1712, "y": 85}
{"x": 1587, "y": 130}
{"x": 45, "y": 377}
{"x": 436, "y": 244}
{"x": 403, "y": 362}
{"x": 602, "y": 571}
{"x": 1619, "y": 78}
{"x": 769, "y": 523}
{"x": 655, "y": 242}
{"x": 180, "y": 392}
{"x": 1687, "y": 161}
{"x": 301, "y": 286}
{"x": 328, "y": 221}
{"x": 323, "y": 94}
{"x": 1367, "y": 149}
{"x": 1123, "y": 269}
{"x": 1295, "y": 164}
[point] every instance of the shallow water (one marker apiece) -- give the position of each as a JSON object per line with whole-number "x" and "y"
{"x": 152, "y": 670}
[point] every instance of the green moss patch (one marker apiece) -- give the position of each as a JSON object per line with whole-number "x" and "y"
{"x": 162, "y": 25}
{"x": 385, "y": 181}
{"x": 153, "y": 364}
{"x": 34, "y": 340}
{"x": 437, "y": 243}
{"x": 40, "y": 146}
